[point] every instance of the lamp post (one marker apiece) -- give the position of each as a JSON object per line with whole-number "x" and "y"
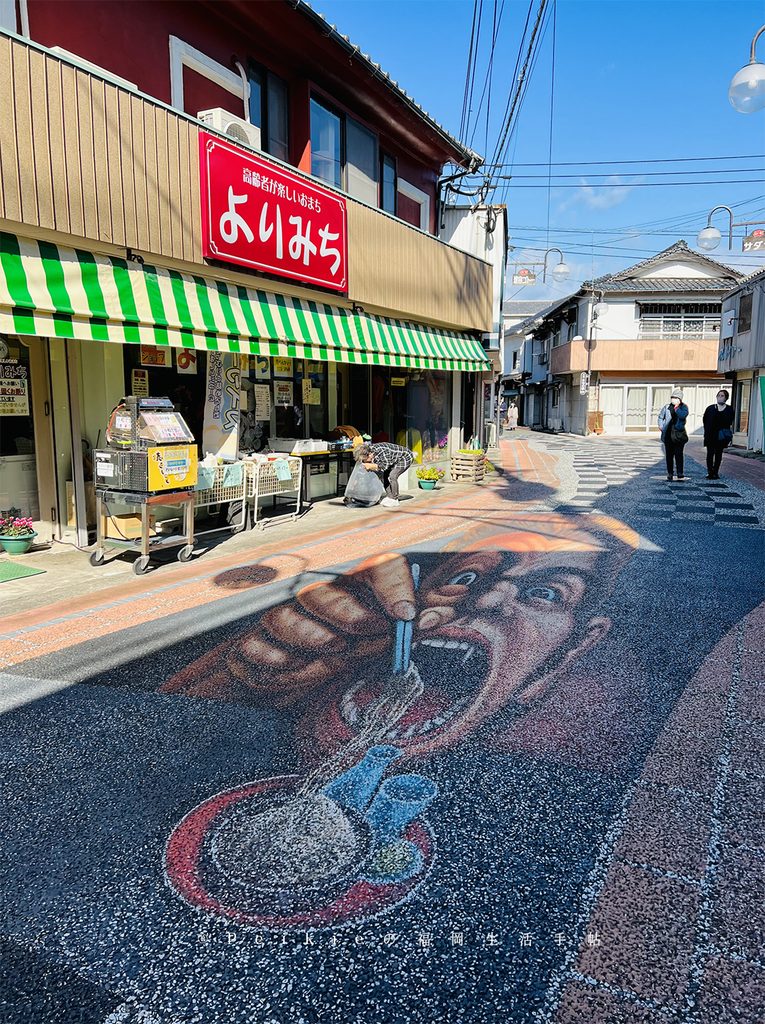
{"x": 746, "y": 91}
{"x": 599, "y": 308}
{"x": 709, "y": 237}
{"x": 560, "y": 272}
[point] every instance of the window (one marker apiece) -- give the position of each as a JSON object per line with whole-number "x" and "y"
{"x": 743, "y": 397}
{"x": 555, "y": 398}
{"x": 573, "y": 330}
{"x": 388, "y": 183}
{"x": 516, "y": 359}
{"x": 343, "y": 153}
{"x": 744, "y": 314}
{"x": 269, "y": 110}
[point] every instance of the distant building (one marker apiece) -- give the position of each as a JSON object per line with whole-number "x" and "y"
{"x": 742, "y": 357}
{"x": 661, "y": 331}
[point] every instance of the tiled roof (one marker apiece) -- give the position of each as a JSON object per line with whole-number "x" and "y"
{"x": 468, "y": 155}
{"x": 753, "y": 278}
{"x": 665, "y": 284}
{"x": 678, "y": 249}
{"x": 531, "y": 321}
{"x": 519, "y": 308}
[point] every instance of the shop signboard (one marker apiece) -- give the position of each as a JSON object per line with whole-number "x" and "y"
{"x": 260, "y": 215}
{"x": 754, "y": 242}
{"x": 221, "y": 425}
{"x": 14, "y": 388}
{"x": 524, "y": 276}
{"x": 584, "y": 383}
{"x": 282, "y": 366}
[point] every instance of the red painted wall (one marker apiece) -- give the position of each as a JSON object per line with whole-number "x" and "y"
{"x": 131, "y": 39}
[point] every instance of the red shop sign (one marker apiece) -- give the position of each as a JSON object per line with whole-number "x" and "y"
{"x": 261, "y": 216}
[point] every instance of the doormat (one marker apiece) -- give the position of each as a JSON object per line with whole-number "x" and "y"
{"x": 13, "y": 571}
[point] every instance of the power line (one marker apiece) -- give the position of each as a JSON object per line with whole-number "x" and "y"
{"x": 653, "y": 174}
{"x": 601, "y": 163}
{"x": 467, "y": 73}
{"x": 647, "y": 184}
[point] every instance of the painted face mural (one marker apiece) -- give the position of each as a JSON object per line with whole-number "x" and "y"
{"x": 394, "y": 661}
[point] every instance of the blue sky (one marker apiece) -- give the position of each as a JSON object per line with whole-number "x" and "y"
{"x": 634, "y": 80}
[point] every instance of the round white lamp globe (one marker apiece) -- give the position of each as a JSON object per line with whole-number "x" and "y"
{"x": 561, "y": 272}
{"x": 600, "y": 308}
{"x": 747, "y": 89}
{"x": 708, "y": 238}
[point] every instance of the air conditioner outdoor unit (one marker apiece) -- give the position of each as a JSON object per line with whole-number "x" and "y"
{"x": 229, "y": 124}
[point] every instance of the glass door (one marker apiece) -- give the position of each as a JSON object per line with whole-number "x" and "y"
{"x": 612, "y": 405}
{"x": 637, "y": 399}
{"x": 659, "y": 398}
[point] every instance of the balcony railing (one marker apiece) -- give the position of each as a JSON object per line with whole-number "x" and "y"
{"x": 679, "y": 328}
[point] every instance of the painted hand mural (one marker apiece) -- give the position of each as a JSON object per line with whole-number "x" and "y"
{"x": 395, "y": 660}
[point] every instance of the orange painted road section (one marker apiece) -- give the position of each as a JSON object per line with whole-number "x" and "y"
{"x": 58, "y": 626}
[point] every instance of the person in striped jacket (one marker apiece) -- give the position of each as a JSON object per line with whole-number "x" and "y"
{"x": 389, "y": 461}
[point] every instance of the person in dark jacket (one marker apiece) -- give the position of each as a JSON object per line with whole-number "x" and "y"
{"x": 718, "y": 432}
{"x": 389, "y": 461}
{"x": 672, "y": 419}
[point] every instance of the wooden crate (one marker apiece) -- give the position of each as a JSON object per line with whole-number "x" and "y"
{"x": 468, "y": 467}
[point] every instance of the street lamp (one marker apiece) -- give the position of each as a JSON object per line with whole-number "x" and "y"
{"x": 746, "y": 91}
{"x": 599, "y": 309}
{"x": 560, "y": 272}
{"x": 709, "y": 237}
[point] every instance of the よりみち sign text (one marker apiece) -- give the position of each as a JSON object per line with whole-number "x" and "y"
{"x": 259, "y": 215}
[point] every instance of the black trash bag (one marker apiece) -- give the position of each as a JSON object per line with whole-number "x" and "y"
{"x": 364, "y": 488}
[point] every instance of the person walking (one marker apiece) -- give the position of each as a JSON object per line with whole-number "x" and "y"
{"x": 718, "y": 432}
{"x": 512, "y": 416}
{"x": 672, "y": 420}
{"x": 389, "y": 461}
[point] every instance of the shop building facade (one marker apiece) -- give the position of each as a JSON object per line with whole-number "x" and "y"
{"x": 111, "y": 282}
{"x": 742, "y": 358}
{"x": 661, "y": 331}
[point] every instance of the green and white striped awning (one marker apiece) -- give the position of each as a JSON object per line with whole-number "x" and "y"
{"x": 47, "y": 290}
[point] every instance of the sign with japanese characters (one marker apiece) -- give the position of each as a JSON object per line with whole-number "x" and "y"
{"x": 754, "y": 242}
{"x": 261, "y": 216}
{"x": 14, "y": 393}
{"x": 524, "y": 276}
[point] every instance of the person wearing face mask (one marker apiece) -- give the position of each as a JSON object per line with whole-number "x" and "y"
{"x": 718, "y": 432}
{"x": 671, "y": 422}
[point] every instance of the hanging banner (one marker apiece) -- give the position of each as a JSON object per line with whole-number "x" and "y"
{"x": 262, "y": 216}
{"x": 221, "y": 425}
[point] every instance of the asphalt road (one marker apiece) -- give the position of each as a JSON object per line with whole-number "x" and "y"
{"x": 489, "y": 759}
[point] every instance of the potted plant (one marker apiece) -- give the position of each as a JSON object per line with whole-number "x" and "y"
{"x": 428, "y": 477}
{"x": 16, "y": 535}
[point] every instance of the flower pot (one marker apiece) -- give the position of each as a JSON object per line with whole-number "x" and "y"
{"x": 427, "y": 485}
{"x": 17, "y": 545}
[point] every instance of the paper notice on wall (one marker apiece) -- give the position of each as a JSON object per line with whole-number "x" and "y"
{"x": 282, "y": 392}
{"x": 262, "y": 367}
{"x": 282, "y": 366}
{"x": 14, "y": 397}
{"x": 221, "y": 425}
{"x": 315, "y": 398}
{"x": 139, "y": 383}
{"x": 262, "y": 402}
{"x": 151, "y": 355}
{"x": 307, "y": 388}
{"x": 186, "y": 360}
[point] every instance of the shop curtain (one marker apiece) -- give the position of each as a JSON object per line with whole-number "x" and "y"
{"x": 48, "y": 290}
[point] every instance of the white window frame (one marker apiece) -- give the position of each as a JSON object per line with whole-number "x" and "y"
{"x": 184, "y": 55}
{"x": 421, "y": 198}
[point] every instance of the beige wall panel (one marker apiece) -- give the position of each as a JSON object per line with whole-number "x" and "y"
{"x": 163, "y": 189}
{"x": 395, "y": 267}
{"x": 126, "y": 182}
{"x": 85, "y": 138}
{"x": 137, "y": 165}
{"x": 174, "y": 186}
{"x": 184, "y": 198}
{"x": 636, "y": 356}
{"x": 41, "y": 139}
{"x": 56, "y": 152}
{"x": 101, "y": 159}
{"x": 72, "y": 150}
{"x": 114, "y": 163}
{"x": 10, "y": 195}
{"x": 195, "y": 197}
{"x": 24, "y": 150}
{"x": 152, "y": 190}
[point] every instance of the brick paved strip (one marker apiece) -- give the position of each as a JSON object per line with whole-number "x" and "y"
{"x": 66, "y": 624}
{"x": 677, "y": 928}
